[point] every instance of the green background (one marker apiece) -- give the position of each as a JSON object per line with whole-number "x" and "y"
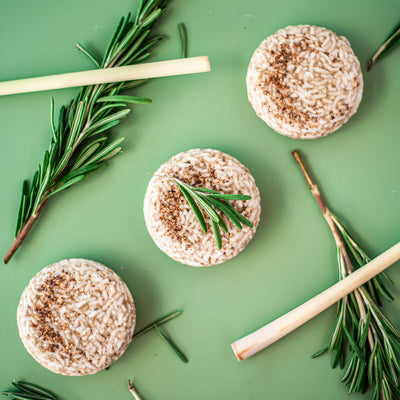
{"x": 292, "y": 256}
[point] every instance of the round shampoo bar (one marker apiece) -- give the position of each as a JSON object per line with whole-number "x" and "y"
{"x": 172, "y": 223}
{"x": 304, "y": 81}
{"x": 76, "y": 317}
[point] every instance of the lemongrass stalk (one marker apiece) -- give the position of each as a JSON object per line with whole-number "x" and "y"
{"x": 158, "y": 69}
{"x": 277, "y": 329}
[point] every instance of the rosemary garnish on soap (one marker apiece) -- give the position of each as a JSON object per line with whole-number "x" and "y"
{"x": 363, "y": 339}
{"x": 28, "y": 391}
{"x": 209, "y": 201}
{"x": 391, "y": 41}
{"x": 80, "y": 142}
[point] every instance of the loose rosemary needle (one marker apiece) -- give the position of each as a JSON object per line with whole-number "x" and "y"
{"x": 157, "y": 322}
{"x": 183, "y": 36}
{"x": 391, "y": 41}
{"x": 27, "y": 391}
{"x": 80, "y": 143}
{"x": 172, "y": 344}
{"x": 361, "y": 329}
{"x": 156, "y": 325}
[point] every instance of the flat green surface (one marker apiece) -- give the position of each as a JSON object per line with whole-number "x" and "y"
{"x": 292, "y": 256}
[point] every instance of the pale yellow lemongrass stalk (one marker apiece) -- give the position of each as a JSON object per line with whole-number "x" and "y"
{"x": 158, "y": 69}
{"x": 277, "y": 329}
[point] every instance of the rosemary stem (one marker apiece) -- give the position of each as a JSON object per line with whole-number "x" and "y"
{"x": 87, "y": 116}
{"x": 371, "y": 330}
{"x": 19, "y": 239}
{"x": 324, "y": 209}
{"x": 335, "y": 232}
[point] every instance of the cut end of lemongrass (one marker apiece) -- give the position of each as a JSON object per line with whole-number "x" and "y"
{"x": 237, "y": 352}
{"x": 182, "y": 66}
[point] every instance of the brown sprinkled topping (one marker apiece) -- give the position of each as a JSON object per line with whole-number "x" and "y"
{"x": 44, "y": 314}
{"x": 288, "y": 53}
{"x": 169, "y": 213}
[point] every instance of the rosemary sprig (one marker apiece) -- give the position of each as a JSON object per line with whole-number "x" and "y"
{"x": 361, "y": 329}
{"x": 209, "y": 201}
{"x": 183, "y": 36}
{"x": 27, "y": 391}
{"x": 156, "y": 325}
{"x": 80, "y": 142}
{"x": 391, "y": 41}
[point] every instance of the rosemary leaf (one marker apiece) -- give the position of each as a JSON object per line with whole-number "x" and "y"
{"x": 52, "y": 124}
{"x": 80, "y": 171}
{"x": 230, "y": 196}
{"x": 65, "y": 185}
{"x": 173, "y": 346}
{"x": 391, "y": 41}
{"x": 217, "y": 233}
{"x": 205, "y": 190}
{"x": 319, "y": 352}
{"x": 86, "y": 153}
{"x": 138, "y": 42}
{"x": 22, "y": 207}
{"x": 183, "y": 36}
{"x": 133, "y": 84}
{"x": 226, "y": 210}
{"x": 156, "y": 325}
{"x": 24, "y": 396}
{"x": 30, "y": 391}
{"x": 106, "y": 153}
{"x": 194, "y": 207}
{"x": 239, "y": 216}
{"x": 157, "y": 322}
{"x": 354, "y": 345}
{"x": 105, "y": 123}
{"x": 87, "y": 54}
{"x": 33, "y": 388}
{"x": 125, "y": 99}
{"x": 200, "y": 200}
{"x": 365, "y": 329}
{"x": 222, "y": 225}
